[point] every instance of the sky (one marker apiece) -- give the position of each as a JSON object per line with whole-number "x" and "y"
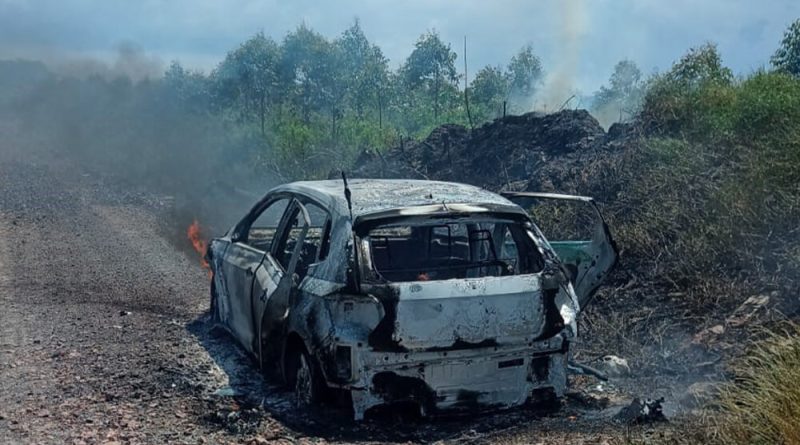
{"x": 579, "y": 41}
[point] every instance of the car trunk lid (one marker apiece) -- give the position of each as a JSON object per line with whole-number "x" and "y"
{"x": 468, "y": 313}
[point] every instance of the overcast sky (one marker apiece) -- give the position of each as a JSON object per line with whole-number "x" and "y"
{"x": 579, "y": 41}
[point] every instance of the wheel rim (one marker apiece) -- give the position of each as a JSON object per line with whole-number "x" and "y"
{"x": 303, "y": 389}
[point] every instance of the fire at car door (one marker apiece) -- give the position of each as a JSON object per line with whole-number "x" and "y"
{"x": 590, "y": 253}
{"x": 275, "y": 281}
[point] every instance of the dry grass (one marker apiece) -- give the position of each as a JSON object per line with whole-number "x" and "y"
{"x": 762, "y": 405}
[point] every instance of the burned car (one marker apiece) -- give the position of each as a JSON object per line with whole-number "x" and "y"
{"x": 440, "y": 295}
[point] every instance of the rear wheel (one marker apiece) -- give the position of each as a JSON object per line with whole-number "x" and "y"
{"x": 545, "y": 401}
{"x": 303, "y": 378}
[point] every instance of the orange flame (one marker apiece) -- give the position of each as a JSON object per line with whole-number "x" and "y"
{"x": 195, "y": 236}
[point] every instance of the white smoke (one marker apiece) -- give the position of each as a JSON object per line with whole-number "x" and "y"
{"x": 559, "y": 85}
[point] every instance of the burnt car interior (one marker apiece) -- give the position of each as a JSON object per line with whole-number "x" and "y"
{"x": 447, "y": 250}
{"x": 316, "y": 243}
{"x": 263, "y": 229}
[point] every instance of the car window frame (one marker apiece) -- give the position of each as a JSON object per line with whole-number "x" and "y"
{"x": 284, "y": 229}
{"x": 242, "y": 229}
{"x": 327, "y": 227}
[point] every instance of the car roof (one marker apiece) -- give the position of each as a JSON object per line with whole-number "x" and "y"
{"x": 371, "y": 196}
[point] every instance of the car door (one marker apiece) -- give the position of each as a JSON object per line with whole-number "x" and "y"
{"x": 250, "y": 242}
{"x": 275, "y": 280}
{"x": 577, "y": 232}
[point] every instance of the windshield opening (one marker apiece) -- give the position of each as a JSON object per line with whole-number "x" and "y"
{"x": 445, "y": 250}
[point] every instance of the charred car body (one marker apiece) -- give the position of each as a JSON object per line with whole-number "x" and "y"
{"x": 440, "y": 294}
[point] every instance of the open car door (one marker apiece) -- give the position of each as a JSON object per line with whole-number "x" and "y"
{"x": 274, "y": 283}
{"x": 576, "y": 230}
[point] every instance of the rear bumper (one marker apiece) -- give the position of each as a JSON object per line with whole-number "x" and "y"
{"x": 458, "y": 381}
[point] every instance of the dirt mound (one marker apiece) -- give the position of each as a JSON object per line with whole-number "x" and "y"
{"x": 533, "y": 151}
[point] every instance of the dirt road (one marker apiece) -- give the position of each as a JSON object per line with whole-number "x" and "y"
{"x": 103, "y": 335}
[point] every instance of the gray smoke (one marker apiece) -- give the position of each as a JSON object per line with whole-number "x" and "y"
{"x": 129, "y": 61}
{"x": 123, "y": 123}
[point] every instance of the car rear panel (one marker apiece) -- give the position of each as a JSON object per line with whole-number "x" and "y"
{"x": 444, "y": 382}
{"x": 465, "y": 313}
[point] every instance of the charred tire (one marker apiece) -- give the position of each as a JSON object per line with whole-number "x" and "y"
{"x": 303, "y": 378}
{"x": 545, "y": 401}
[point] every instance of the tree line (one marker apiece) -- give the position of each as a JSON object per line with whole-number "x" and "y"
{"x": 307, "y": 104}
{"x": 310, "y": 98}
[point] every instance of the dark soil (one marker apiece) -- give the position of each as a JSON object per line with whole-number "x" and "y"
{"x": 531, "y": 152}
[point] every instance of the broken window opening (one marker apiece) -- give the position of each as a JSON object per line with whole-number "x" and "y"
{"x": 262, "y": 230}
{"x": 316, "y": 243}
{"x": 430, "y": 251}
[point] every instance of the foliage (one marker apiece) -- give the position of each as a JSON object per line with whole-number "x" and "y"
{"x": 322, "y": 101}
{"x": 366, "y": 79}
{"x": 430, "y": 72}
{"x": 248, "y": 79}
{"x": 310, "y": 104}
{"x": 311, "y": 69}
{"x": 692, "y": 95}
{"x": 713, "y": 189}
{"x": 787, "y": 57}
{"x": 524, "y": 75}
{"x": 488, "y": 90}
{"x": 763, "y": 403}
{"x": 622, "y": 97}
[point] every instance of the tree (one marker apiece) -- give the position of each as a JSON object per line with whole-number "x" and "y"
{"x": 524, "y": 75}
{"x": 187, "y": 88}
{"x": 431, "y": 68}
{"x": 249, "y": 75}
{"x": 699, "y": 66}
{"x": 311, "y": 68}
{"x": 488, "y": 90}
{"x": 787, "y": 57}
{"x": 623, "y": 94}
{"x": 367, "y": 71}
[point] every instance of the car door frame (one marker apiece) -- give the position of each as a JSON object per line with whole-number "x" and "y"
{"x": 602, "y": 241}
{"x": 238, "y": 247}
{"x": 273, "y": 286}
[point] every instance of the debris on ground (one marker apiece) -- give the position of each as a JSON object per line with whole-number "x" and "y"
{"x": 641, "y": 412}
{"x": 614, "y": 366}
{"x": 580, "y": 368}
{"x": 747, "y": 310}
{"x": 699, "y": 393}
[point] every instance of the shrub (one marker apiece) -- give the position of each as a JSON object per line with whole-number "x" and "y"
{"x": 762, "y": 406}
{"x": 693, "y": 98}
{"x": 715, "y": 188}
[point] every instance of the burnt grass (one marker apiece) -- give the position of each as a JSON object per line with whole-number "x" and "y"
{"x": 105, "y": 335}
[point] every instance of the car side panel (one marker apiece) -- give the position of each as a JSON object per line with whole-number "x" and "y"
{"x": 239, "y": 264}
